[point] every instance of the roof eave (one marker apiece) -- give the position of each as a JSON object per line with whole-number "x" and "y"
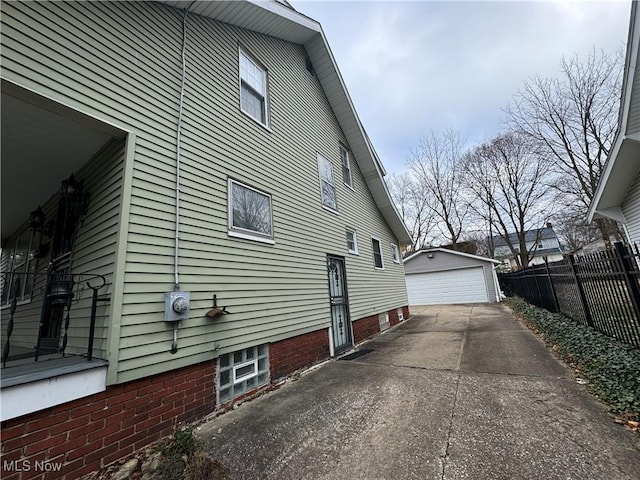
{"x": 617, "y": 175}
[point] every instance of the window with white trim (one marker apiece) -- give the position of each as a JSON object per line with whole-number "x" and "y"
{"x": 377, "y": 253}
{"x": 352, "y": 241}
{"x": 242, "y": 371}
{"x": 253, "y": 89}
{"x": 346, "y": 166}
{"x": 395, "y": 253}
{"x": 327, "y": 187}
{"x": 250, "y": 213}
{"x": 18, "y": 267}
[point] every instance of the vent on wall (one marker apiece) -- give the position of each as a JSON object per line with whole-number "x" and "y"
{"x": 309, "y": 65}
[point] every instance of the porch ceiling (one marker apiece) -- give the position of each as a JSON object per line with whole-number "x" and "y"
{"x": 41, "y": 146}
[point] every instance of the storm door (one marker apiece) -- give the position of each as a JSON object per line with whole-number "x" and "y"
{"x": 341, "y": 324}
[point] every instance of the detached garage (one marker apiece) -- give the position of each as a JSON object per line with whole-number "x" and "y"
{"x": 438, "y": 275}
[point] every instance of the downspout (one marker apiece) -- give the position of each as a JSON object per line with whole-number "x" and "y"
{"x": 176, "y": 286}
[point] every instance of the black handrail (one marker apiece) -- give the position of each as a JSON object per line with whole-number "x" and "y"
{"x": 76, "y": 283}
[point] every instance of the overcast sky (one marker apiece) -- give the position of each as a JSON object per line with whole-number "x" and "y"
{"x": 416, "y": 66}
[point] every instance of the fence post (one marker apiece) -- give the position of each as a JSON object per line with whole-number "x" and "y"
{"x": 583, "y": 298}
{"x": 551, "y": 285}
{"x": 632, "y": 284}
{"x": 535, "y": 279}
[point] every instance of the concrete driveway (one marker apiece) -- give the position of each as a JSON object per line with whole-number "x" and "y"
{"x": 456, "y": 392}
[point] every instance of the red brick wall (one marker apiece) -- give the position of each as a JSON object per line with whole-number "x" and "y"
{"x": 393, "y": 317}
{"x": 89, "y": 433}
{"x": 366, "y": 327}
{"x": 405, "y": 311}
{"x": 287, "y": 356}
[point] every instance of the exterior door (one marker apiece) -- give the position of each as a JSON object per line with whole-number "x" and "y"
{"x": 339, "y": 299}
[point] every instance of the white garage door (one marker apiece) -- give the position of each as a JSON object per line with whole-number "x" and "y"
{"x": 453, "y": 286}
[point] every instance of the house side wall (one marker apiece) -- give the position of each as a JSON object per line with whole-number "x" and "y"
{"x": 102, "y": 58}
{"x": 631, "y": 210}
{"x": 443, "y": 261}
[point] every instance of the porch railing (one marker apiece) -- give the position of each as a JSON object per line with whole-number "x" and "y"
{"x": 599, "y": 289}
{"x": 46, "y": 303}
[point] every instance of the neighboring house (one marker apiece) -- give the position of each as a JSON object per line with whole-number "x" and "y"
{"x": 206, "y": 175}
{"x": 541, "y": 243}
{"x": 439, "y": 275}
{"x": 618, "y": 193}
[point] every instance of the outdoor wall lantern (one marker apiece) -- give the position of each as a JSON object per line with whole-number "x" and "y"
{"x": 430, "y": 255}
{"x": 37, "y": 219}
{"x": 72, "y": 193}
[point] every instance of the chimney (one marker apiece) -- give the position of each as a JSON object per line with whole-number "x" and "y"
{"x": 549, "y": 225}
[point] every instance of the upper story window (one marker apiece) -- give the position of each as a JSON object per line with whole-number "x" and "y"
{"x": 395, "y": 253}
{"x": 377, "y": 253}
{"x": 352, "y": 241}
{"x": 253, "y": 89}
{"x": 18, "y": 267}
{"x": 327, "y": 186}
{"x": 346, "y": 166}
{"x": 250, "y": 214}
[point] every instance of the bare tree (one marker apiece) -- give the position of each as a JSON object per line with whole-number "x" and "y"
{"x": 572, "y": 229}
{"x": 412, "y": 202}
{"x": 508, "y": 178}
{"x": 575, "y": 118}
{"x": 435, "y": 164}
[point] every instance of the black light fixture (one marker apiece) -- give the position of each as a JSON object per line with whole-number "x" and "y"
{"x": 70, "y": 188}
{"x": 37, "y": 219}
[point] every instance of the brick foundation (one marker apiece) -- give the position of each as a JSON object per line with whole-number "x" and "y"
{"x": 393, "y": 317}
{"x": 405, "y": 312}
{"x": 92, "y": 432}
{"x": 89, "y": 433}
{"x": 366, "y": 327}
{"x": 287, "y": 356}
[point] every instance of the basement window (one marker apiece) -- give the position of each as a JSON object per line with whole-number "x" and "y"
{"x": 242, "y": 371}
{"x": 383, "y": 319}
{"x": 400, "y": 314}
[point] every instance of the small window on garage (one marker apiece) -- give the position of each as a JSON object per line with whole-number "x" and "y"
{"x": 242, "y": 371}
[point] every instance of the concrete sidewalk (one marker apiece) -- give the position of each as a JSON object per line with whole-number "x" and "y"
{"x": 456, "y": 392}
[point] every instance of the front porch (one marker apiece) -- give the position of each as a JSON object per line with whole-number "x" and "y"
{"x": 62, "y": 175}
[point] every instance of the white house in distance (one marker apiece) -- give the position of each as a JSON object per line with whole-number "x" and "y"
{"x": 618, "y": 193}
{"x": 440, "y": 276}
{"x": 541, "y": 243}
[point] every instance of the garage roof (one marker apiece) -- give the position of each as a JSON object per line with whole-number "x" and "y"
{"x": 452, "y": 252}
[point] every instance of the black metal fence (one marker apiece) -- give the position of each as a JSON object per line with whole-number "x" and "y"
{"x": 598, "y": 289}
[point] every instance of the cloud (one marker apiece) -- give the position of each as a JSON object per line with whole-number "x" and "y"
{"x": 412, "y": 67}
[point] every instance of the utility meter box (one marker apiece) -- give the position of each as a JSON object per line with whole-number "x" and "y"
{"x": 176, "y": 306}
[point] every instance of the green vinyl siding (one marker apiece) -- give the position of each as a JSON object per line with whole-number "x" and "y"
{"x": 272, "y": 291}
